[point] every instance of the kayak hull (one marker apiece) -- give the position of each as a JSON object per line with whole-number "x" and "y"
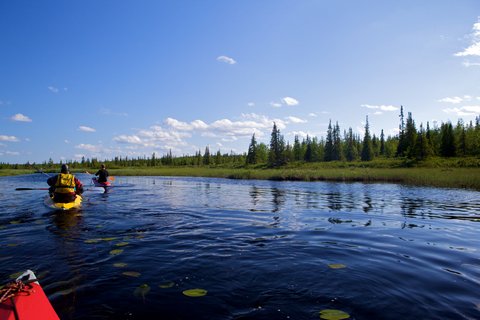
{"x": 101, "y": 184}
{"x": 64, "y": 206}
{"x": 29, "y": 305}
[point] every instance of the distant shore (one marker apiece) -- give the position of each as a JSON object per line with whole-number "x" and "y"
{"x": 451, "y": 174}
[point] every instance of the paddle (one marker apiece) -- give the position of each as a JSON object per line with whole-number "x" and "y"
{"x": 23, "y": 189}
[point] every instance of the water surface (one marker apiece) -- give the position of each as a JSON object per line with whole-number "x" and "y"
{"x": 261, "y": 249}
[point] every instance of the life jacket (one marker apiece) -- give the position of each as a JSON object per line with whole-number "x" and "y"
{"x": 65, "y": 183}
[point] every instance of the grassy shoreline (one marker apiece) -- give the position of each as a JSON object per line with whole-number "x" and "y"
{"x": 434, "y": 174}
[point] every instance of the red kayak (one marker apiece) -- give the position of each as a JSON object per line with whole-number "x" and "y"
{"x": 24, "y": 299}
{"x": 101, "y": 184}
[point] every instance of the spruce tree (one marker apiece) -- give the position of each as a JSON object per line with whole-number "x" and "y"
{"x": 367, "y": 152}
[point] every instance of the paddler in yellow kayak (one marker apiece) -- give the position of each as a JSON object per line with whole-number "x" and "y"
{"x": 65, "y": 186}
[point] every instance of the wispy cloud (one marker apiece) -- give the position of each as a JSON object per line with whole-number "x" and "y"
{"x": 286, "y": 101}
{"x": 380, "y": 107}
{"x": 226, "y": 59}
{"x": 295, "y": 120}
{"x": 289, "y": 101}
{"x": 53, "y": 89}
{"x": 88, "y": 147}
{"x": 464, "y": 111}
{"x": 473, "y": 50}
{"x": 20, "y": 117}
{"x": 8, "y": 138}
{"x": 109, "y": 112}
{"x": 86, "y": 129}
{"x": 453, "y": 100}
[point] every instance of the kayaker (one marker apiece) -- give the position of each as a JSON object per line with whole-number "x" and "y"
{"x": 102, "y": 174}
{"x": 64, "y": 186}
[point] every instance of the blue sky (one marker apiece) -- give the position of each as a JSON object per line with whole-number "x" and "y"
{"x": 128, "y": 78}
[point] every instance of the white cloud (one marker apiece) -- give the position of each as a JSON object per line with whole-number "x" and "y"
{"x": 88, "y": 147}
{"x": 226, "y": 59}
{"x": 314, "y": 115}
{"x": 53, "y": 89}
{"x": 295, "y": 120}
{"x": 251, "y": 104}
{"x": 464, "y": 111}
{"x": 12, "y": 153}
{"x": 86, "y": 129}
{"x": 133, "y": 139}
{"x": 473, "y": 50}
{"x": 8, "y": 138}
{"x": 275, "y": 104}
{"x": 467, "y": 63}
{"x": 66, "y": 141}
{"x": 453, "y": 100}
{"x": 289, "y": 101}
{"x": 381, "y": 107}
{"x": 286, "y": 101}
{"x": 21, "y": 117}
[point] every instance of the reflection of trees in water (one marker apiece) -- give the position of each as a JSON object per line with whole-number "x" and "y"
{"x": 255, "y": 195}
{"x": 278, "y": 199}
{"x": 410, "y": 206}
{"x": 334, "y": 201}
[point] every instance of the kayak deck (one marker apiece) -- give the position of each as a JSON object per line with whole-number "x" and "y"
{"x": 63, "y": 206}
{"x": 29, "y": 302}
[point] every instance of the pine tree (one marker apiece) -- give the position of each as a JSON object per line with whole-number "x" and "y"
{"x": 252, "y": 151}
{"x": 447, "y": 144}
{"x": 277, "y": 148}
{"x": 367, "y": 152}
{"x": 328, "y": 156}
{"x": 401, "y": 147}
{"x": 382, "y": 144}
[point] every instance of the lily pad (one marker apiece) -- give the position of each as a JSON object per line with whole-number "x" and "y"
{"x": 134, "y": 274}
{"x": 15, "y": 222}
{"x": 332, "y": 314}
{"x": 121, "y": 244}
{"x": 337, "y": 266}
{"x": 109, "y": 239}
{"x": 166, "y": 285}
{"x": 115, "y": 252}
{"x": 120, "y": 265}
{"x": 195, "y": 292}
{"x": 142, "y": 290}
{"x": 92, "y": 241}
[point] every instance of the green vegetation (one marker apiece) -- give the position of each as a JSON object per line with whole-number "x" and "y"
{"x": 437, "y": 172}
{"x": 445, "y": 156}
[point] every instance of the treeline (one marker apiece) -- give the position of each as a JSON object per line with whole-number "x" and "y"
{"x": 412, "y": 143}
{"x": 447, "y": 140}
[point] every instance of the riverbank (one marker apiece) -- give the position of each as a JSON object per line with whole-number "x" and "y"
{"x": 442, "y": 173}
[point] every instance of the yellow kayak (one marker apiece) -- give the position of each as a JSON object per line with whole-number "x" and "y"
{"x": 64, "y": 206}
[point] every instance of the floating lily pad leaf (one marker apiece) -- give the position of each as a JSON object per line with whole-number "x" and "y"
{"x": 167, "y": 285}
{"x": 142, "y": 290}
{"x": 115, "y": 252}
{"x": 120, "y": 265}
{"x": 13, "y": 244}
{"x": 195, "y": 292}
{"x": 15, "y": 275}
{"x": 332, "y": 314}
{"x": 15, "y": 222}
{"x": 134, "y": 274}
{"x": 92, "y": 241}
{"x": 121, "y": 244}
{"x": 337, "y": 266}
{"x": 109, "y": 239}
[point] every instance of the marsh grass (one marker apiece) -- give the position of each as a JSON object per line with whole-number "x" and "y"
{"x": 436, "y": 172}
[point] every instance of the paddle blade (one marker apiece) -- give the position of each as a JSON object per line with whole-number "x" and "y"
{"x": 111, "y": 178}
{"x": 23, "y": 189}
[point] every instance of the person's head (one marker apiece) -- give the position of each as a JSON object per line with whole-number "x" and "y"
{"x": 102, "y": 166}
{"x": 64, "y": 169}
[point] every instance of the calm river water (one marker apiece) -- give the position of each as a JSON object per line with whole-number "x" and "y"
{"x": 260, "y": 249}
